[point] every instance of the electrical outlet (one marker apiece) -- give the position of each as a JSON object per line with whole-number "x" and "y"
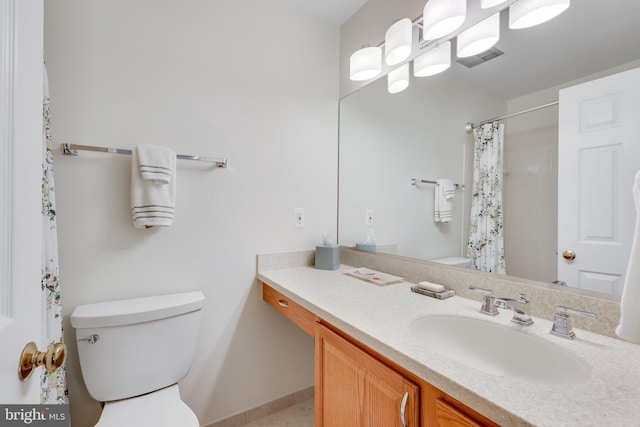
{"x": 298, "y": 218}
{"x": 369, "y": 219}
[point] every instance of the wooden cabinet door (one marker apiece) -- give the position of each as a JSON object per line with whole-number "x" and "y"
{"x": 357, "y": 390}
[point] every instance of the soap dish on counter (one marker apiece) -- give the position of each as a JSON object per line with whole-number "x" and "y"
{"x": 447, "y": 293}
{"x": 373, "y": 276}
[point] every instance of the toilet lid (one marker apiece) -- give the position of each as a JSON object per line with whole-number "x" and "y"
{"x": 159, "y": 409}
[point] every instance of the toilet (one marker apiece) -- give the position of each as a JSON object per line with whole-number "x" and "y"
{"x": 454, "y": 261}
{"x": 133, "y": 353}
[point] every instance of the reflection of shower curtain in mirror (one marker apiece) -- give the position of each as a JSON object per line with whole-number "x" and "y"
{"x": 486, "y": 241}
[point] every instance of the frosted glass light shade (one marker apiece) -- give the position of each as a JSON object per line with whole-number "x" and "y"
{"x": 365, "y": 63}
{"x": 527, "y": 13}
{"x": 442, "y": 17}
{"x": 486, "y": 4}
{"x": 398, "y": 79}
{"x": 434, "y": 61}
{"x": 480, "y": 37}
{"x": 398, "y": 41}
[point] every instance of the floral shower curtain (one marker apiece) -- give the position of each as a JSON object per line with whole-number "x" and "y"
{"x": 53, "y": 386}
{"x": 486, "y": 240}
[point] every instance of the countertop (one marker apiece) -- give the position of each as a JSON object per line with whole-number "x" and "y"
{"x": 380, "y": 317}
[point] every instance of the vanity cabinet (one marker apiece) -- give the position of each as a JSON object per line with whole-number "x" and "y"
{"x": 355, "y": 386}
{"x": 355, "y": 389}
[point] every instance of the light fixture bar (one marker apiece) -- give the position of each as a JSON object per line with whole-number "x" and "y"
{"x": 424, "y": 44}
{"x": 417, "y": 22}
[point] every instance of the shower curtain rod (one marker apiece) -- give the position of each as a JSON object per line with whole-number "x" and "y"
{"x": 469, "y": 127}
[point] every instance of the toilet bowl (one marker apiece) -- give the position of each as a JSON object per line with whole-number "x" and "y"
{"x": 455, "y": 261}
{"x": 132, "y": 355}
{"x": 160, "y": 408}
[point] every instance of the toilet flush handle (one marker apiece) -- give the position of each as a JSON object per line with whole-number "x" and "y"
{"x": 91, "y": 339}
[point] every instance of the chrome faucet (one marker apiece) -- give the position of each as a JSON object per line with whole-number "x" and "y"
{"x": 487, "y": 306}
{"x": 562, "y": 326}
{"x": 520, "y": 315}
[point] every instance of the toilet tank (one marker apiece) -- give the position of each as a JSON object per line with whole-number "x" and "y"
{"x": 142, "y": 344}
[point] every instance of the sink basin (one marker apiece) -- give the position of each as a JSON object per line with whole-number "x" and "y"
{"x": 499, "y": 350}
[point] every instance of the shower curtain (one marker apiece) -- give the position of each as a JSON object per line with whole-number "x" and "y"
{"x": 53, "y": 386}
{"x": 486, "y": 240}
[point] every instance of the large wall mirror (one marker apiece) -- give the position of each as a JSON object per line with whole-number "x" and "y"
{"x": 388, "y": 140}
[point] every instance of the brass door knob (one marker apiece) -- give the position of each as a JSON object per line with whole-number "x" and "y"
{"x": 569, "y": 255}
{"x": 31, "y": 358}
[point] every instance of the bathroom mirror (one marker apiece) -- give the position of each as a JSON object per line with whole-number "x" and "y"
{"x": 387, "y": 140}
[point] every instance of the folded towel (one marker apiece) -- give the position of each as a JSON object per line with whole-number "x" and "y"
{"x": 152, "y": 200}
{"x": 156, "y": 163}
{"x": 629, "y": 327}
{"x": 443, "y": 207}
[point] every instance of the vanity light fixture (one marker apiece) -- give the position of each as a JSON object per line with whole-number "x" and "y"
{"x": 486, "y": 4}
{"x": 527, "y": 13}
{"x": 365, "y": 63}
{"x": 442, "y": 17}
{"x": 398, "y": 41}
{"x": 480, "y": 37}
{"x": 398, "y": 79}
{"x": 433, "y": 61}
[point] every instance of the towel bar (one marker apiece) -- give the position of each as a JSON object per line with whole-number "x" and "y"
{"x": 415, "y": 181}
{"x": 72, "y": 150}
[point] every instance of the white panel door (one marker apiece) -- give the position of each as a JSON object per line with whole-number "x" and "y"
{"x": 21, "y": 47}
{"x": 598, "y": 156}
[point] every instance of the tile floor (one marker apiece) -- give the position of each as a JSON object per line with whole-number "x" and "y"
{"x": 300, "y": 415}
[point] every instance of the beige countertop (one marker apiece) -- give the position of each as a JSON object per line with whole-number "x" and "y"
{"x": 380, "y": 317}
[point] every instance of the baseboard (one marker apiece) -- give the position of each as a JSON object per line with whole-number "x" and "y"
{"x": 267, "y": 409}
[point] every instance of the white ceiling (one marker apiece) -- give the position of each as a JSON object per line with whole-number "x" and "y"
{"x": 334, "y": 11}
{"x": 592, "y": 35}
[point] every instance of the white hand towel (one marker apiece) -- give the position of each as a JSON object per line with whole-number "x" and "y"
{"x": 152, "y": 200}
{"x": 629, "y": 327}
{"x": 443, "y": 207}
{"x": 156, "y": 163}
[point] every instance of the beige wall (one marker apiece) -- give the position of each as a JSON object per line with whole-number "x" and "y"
{"x": 252, "y": 81}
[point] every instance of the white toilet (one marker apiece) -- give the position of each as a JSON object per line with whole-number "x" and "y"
{"x": 133, "y": 353}
{"x": 454, "y": 261}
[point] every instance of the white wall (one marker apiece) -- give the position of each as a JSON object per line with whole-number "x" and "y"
{"x": 252, "y": 81}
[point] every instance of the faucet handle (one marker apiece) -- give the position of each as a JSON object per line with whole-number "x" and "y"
{"x": 488, "y": 300}
{"x": 561, "y": 324}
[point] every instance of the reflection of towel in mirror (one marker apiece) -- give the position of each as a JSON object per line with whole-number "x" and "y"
{"x": 153, "y": 186}
{"x": 443, "y": 195}
{"x": 629, "y": 327}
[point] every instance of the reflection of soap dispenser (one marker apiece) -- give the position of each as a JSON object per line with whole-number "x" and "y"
{"x": 370, "y": 242}
{"x": 327, "y": 254}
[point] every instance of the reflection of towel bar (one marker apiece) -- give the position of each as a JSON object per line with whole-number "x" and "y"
{"x": 415, "y": 181}
{"x": 70, "y": 150}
